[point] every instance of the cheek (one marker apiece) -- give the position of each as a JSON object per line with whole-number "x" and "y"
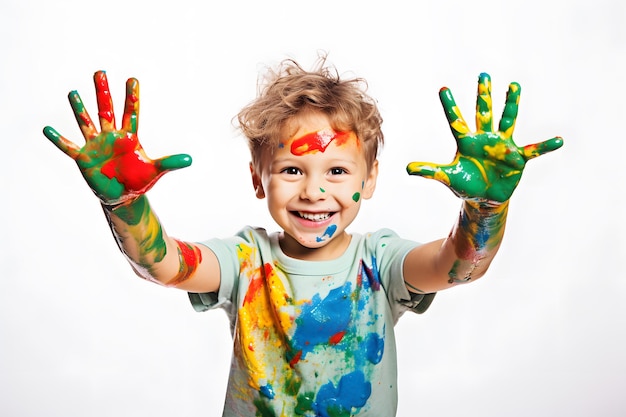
{"x": 280, "y": 192}
{"x": 356, "y": 197}
{"x": 351, "y": 193}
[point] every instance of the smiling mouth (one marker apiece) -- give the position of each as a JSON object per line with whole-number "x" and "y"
{"x": 314, "y": 217}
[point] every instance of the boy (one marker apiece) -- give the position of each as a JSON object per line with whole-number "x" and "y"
{"x": 312, "y": 308}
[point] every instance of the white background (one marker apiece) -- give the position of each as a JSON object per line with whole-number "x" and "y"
{"x": 543, "y": 334}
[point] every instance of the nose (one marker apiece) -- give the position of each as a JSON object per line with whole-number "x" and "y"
{"x": 313, "y": 190}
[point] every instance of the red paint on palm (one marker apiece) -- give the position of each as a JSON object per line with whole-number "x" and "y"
{"x": 129, "y": 167}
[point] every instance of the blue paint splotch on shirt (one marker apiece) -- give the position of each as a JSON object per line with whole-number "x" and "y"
{"x": 352, "y": 391}
{"x": 374, "y": 347}
{"x": 343, "y": 321}
{"x": 322, "y": 318}
{"x": 269, "y": 377}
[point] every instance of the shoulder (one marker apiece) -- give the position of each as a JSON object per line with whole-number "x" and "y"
{"x": 247, "y": 234}
{"x": 384, "y": 240}
{"x": 252, "y": 233}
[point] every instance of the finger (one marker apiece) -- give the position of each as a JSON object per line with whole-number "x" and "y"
{"x": 453, "y": 114}
{"x": 66, "y": 146}
{"x": 130, "y": 119}
{"x": 82, "y": 117}
{"x": 105, "y": 102}
{"x": 509, "y": 114}
{"x": 173, "y": 162}
{"x": 537, "y": 149}
{"x": 428, "y": 170}
{"x": 484, "y": 114}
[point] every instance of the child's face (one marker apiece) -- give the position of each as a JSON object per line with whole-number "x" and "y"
{"x": 314, "y": 184}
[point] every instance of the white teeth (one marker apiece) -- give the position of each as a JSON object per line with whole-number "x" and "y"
{"x": 316, "y": 217}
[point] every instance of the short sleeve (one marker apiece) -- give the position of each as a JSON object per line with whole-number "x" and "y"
{"x": 391, "y": 251}
{"x": 224, "y": 250}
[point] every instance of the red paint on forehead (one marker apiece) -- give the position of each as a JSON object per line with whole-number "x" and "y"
{"x": 318, "y": 141}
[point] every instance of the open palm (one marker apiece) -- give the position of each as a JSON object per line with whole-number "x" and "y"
{"x": 113, "y": 161}
{"x": 488, "y": 165}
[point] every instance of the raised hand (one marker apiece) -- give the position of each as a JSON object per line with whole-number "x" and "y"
{"x": 488, "y": 165}
{"x": 113, "y": 161}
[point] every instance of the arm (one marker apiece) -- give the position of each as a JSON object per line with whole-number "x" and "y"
{"x": 119, "y": 172}
{"x": 484, "y": 173}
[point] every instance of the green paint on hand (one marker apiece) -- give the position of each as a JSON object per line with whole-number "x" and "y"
{"x": 488, "y": 164}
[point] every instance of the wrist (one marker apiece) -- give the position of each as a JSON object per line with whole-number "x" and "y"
{"x": 482, "y": 222}
{"x": 131, "y": 210}
{"x": 485, "y": 205}
{"x": 484, "y": 213}
{"x": 124, "y": 200}
{"x": 476, "y": 237}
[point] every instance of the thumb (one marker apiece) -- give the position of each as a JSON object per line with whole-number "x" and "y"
{"x": 538, "y": 149}
{"x": 173, "y": 162}
{"x": 428, "y": 170}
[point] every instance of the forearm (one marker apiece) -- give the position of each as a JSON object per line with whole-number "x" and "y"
{"x": 151, "y": 252}
{"x": 463, "y": 256}
{"x": 474, "y": 240}
{"x": 487, "y": 167}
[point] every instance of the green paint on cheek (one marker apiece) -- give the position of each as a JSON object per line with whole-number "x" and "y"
{"x": 322, "y": 190}
{"x": 356, "y": 196}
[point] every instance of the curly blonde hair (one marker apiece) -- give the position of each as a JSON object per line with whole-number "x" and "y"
{"x": 289, "y": 90}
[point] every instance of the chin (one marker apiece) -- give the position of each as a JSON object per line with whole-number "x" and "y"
{"x": 314, "y": 243}
{"x": 310, "y": 240}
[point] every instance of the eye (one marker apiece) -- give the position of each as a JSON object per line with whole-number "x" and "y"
{"x": 291, "y": 171}
{"x": 338, "y": 171}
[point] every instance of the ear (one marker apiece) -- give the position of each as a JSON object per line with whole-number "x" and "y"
{"x": 256, "y": 183}
{"x": 370, "y": 182}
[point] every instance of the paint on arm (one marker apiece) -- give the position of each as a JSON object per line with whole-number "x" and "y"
{"x": 189, "y": 257}
{"x": 476, "y": 238}
{"x": 484, "y": 173}
{"x": 141, "y": 238}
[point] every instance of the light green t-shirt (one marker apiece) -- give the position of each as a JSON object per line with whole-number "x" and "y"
{"x": 312, "y": 338}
